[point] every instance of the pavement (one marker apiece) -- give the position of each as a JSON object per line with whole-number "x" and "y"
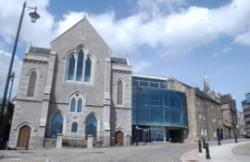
{"x": 222, "y": 153}
{"x": 164, "y": 152}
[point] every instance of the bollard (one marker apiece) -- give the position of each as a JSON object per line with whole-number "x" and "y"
{"x": 207, "y": 151}
{"x": 218, "y": 138}
{"x": 204, "y": 143}
{"x": 199, "y": 145}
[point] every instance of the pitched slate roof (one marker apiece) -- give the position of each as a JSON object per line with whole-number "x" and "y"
{"x": 39, "y": 50}
{"x": 225, "y": 99}
{"x": 118, "y": 60}
{"x": 202, "y": 94}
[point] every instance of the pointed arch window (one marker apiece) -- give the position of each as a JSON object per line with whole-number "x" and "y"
{"x": 71, "y": 67}
{"x": 57, "y": 125}
{"x": 91, "y": 125}
{"x": 72, "y": 104}
{"x": 87, "y": 75}
{"x": 78, "y": 66}
{"x": 32, "y": 84}
{"x": 79, "y": 105}
{"x": 74, "y": 127}
{"x": 76, "y": 103}
{"x": 79, "y": 69}
{"x": 120, "y": 93}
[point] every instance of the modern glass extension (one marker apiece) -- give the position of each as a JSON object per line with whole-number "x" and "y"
{"x": 159, "y": 114}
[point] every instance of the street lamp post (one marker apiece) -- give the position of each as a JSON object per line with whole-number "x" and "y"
{"x": 34, "y": 16}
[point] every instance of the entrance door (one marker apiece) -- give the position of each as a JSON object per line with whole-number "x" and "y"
{"x": 24, "y": 137}
{"x": 119, "y": 138}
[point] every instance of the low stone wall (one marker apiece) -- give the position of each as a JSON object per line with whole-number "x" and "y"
{"x": 49, "y": 143}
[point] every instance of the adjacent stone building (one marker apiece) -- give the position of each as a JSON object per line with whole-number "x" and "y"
{"x": 75, "y": 88}
{"x": 229, "y": 112}
{"x": 203, "y": 109}
{"x": 246, "y": 112}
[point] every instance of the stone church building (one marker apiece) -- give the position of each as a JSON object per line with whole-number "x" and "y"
{"x": 75, "y": 88}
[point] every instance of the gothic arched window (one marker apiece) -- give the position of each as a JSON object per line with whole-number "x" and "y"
{"x": 57, "y": 125}
{"x": 79, "y": 105}
{"x": 71, "y": 67}
{"x": 76, "y": 103}
{"x": 79, "y": 67}
{"x": 32, "y": 84}
{"x": 74, "y": 127}
{"x": 120, "y": 93}
{"x": 91, "y": 124}
{"x": 72, "y": 104}
{"x": 87, "y": 75}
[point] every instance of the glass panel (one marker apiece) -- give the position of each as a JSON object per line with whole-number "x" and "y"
{"x": 156, "y": 116}
{"x": 57, "y": 125}
{"x": 144, "y": 84}
{"x": 156, "y": 106}
{"x": 91, "y": 124}
{"x": 74, "y": 127}
{"x": 87, "y": 76}
{"x": 154, "y": 85}
{"x": 157, "y": 135}
{"x": 167, "y": 114}
{"x": 163, "y": 85}
{"x": 143, "y": 116}
{"x": 79, "y": 105}
{"x": 120, "y": 93}
{"x": 79, "y": 68}
{"x": 32, "y": 84}
{"x": 71, "y": 67}
{"x": 72, "y": 105}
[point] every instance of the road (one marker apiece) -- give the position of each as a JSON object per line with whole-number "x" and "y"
{"x": 167, "y": 152}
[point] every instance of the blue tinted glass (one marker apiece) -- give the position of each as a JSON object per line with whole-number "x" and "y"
{"x": 248, "y": 97}
{"x": 87, "y": 75}
{"x": 79, "y": 68}
{"x": 72, "y": 105}
{"x": 163, "y": 85}
{"x": 156, "y": 116}
{"x": 71, "y": 67}
{"x": 57, "y": 125}
{"x": 79, "y": 105}
{"x": 91, "y": 124}
{"x": 156, "y": 106}
{"x": 74, "y": 127}
{"x": 145, "y": 84}
{"x": 154, "y": 85}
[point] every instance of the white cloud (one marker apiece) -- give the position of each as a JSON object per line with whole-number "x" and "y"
{"x": 243, "y": 39}
{"x": 170, "y": 27}
{"x": 4, "y": 65}
{"x": 40, "y": 33}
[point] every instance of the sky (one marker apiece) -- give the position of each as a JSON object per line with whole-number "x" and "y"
{"x": 182, "y": 39}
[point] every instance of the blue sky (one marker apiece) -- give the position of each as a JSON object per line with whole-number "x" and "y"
{"x": 182, "y": 39}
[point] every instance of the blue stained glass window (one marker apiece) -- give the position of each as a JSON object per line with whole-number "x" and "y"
{"x": 79, "y": 68}
{"x": 79, "y": 105}
{"x": 71, "y": 67}
{"x": 74, "y": 127}
{"x": 57, "y": 125}
{"x": 72, "y": 105}
{"x": 91, "y": 125}
{"x": 87, "y": 75}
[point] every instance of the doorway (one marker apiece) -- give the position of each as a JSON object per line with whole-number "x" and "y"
{"x": 119, "y": 138}
{"x": 24, "y": 137}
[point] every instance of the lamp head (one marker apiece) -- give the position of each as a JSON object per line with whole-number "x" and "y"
{"x": 34, "y": 16}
